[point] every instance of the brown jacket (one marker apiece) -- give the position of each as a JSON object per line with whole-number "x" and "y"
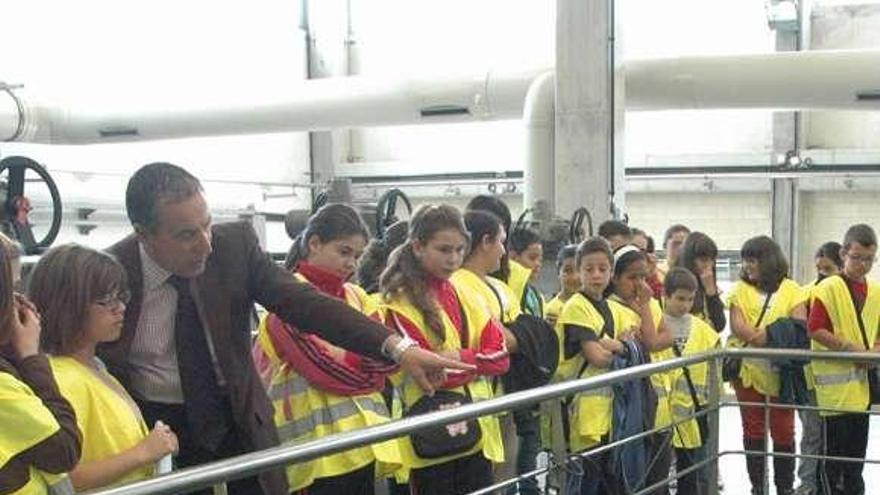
{"x": 238, "y": 274}
{"x": 59, "y": 453}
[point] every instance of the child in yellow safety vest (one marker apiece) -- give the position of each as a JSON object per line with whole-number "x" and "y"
{"x": 828, "y": 263}
{"x": 420, "y": 302}
{"x": 641, "y": 312}
{"x": 594, "y": 327}
{"x": 569, "y": 282}
{"x": 691, "y": 335}
{"x": 319, "y": 389}
{"x": 81, "y": 294}
{"x": 844, "y": 317}
{"x": 764, "y": 295}
{"x": 39, "y": 439}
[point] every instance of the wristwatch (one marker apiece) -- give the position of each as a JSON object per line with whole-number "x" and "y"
{"x": 396, "y": 353}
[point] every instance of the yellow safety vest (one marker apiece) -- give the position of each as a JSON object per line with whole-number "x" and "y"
{"x": 810, "y": 291}
{"x": 553, "y": 308}
{"x": 480, "y": 389}
{"x": 109, "y": 424}
{"x": 26, "y": 422}
{"x": 496, "y": 297}
{"x": 518, "y": 278}
{"x": 839, "y": 384}
{"x": 590, "y": 412}
{"x": 304, "y": 413}
{"x": 702, "y": 338}
{"x": 661, "y": 382}
{"x": 756, "y": 373}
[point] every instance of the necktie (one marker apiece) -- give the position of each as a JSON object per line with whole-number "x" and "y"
{"x": 206, "y": 410}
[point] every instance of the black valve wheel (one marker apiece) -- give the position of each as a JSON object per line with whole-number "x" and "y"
{"x": 17, "y": 206}
{"x": 576, "y": 230}
{"x": 386, "y": 210}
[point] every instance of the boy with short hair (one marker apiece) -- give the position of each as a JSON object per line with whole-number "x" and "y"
{"x": 844, "y": 317}
{"x": 690, "y": 388}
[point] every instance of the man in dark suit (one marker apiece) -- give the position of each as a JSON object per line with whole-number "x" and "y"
{"x": 184, "y": 353}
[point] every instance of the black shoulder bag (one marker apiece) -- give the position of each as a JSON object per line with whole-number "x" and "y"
{"x": 730, "y": 366}
{"x": 451, "y": 439}
{"x": 873, "y": 383}
{"x": 702, "y": 421}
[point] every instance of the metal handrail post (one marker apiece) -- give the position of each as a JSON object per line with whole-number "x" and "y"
{"x": 712, "y": 448}
{"x": 765, "y": 459}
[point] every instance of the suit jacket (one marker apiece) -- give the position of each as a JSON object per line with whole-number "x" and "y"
{"x": 239, "y": 273}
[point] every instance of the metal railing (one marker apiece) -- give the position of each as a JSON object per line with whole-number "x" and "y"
{"x": 246, "y": 465}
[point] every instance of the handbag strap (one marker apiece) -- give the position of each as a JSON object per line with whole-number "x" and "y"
{"x": 687, "y": 376}
{"x": 858, "y": 307}
{"x": 763, "y": 312}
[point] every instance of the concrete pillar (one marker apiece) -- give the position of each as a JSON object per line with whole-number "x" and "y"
{"x": 327, "y": 25}
{"x": 787, "y": 132}
{"x": 589, "y": 110}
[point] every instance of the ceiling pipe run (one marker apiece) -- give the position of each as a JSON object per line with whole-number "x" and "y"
{"x": 847, "y": 79}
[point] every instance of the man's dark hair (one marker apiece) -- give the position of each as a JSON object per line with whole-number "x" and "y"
{"x": 151, "y": 185}
{"x": 860, "y": 233}
{"x": 610, "y": 228}
{"x": 679, "y": 278}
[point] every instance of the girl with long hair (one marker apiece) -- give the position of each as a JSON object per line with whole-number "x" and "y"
{"x": 319, "y": 389}
{"x": 420, "y": 302}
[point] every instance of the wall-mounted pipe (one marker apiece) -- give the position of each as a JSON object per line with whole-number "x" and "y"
{"x": 808, "y": 80}
{"x": 803, "y": 80}
{"x": 539, "y": 118}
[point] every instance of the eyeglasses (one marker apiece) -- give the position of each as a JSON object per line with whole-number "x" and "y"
{"x": 862, "y": 258}
{"x": 114, "y": 300}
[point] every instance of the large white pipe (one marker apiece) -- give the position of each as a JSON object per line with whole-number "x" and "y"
{"x": 782, "y": 80}
{"x": 540, "y": 122}
{"x": 314, "y": 105}
{"x": 801, "y": 80}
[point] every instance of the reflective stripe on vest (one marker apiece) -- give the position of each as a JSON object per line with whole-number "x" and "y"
{"x": 329, "y": 415}
{"x": 854, "y": 375}
{"x": 293, "y": 385}
{"x": 682, "y": 412}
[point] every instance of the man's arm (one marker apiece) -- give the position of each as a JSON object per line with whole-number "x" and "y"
{"x": 307, "y": 309}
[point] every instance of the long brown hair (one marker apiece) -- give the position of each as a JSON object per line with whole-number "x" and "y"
{"x": 404, "y": 273}
{"x": 64, "y": 284}
{"x": 7, "y": 304}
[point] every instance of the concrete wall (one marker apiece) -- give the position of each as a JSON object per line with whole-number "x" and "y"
{"x": 836, "y": 27}
{"x": 728, "y": 218}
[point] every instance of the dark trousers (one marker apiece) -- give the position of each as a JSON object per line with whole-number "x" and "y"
{"x": 696, "y": 482}
{"x": 359, "y": 482}
{"x": 598, "y": 477}
{"x": 846, "y": 435}
{"x": 659, "y": 460}
{"x": 174, "y": 415}
{"x": 528, "y": 436}
{"x": 456, "y": 477}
